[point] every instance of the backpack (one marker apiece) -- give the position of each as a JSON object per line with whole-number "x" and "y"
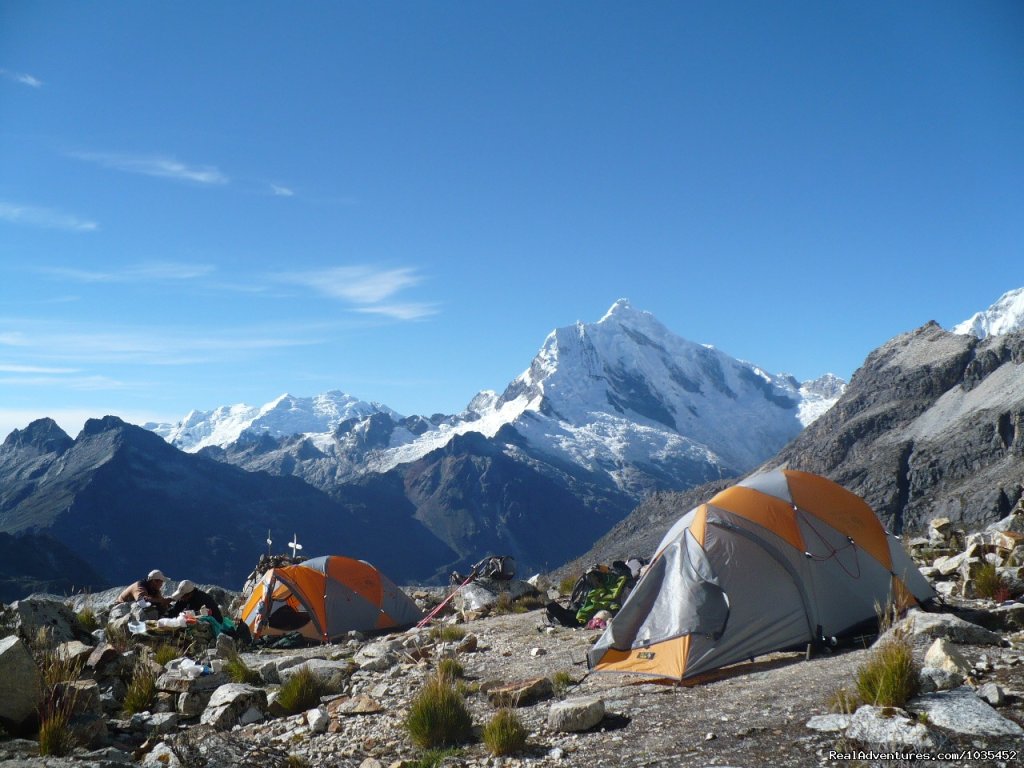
{"x": 497, "y": 567}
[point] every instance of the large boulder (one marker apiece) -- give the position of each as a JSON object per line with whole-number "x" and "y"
{"x": 580, "y": 714}
{"x": 332, "y": 675}
{"x": 886, "y": 727}
{"x": 33, "y": 614}
{"x": 21, "y": 682}
{"x": 481, "y": 594}
{"x": 923, "y": 626}
{"x": 234, "y": 703}
{"x": 961, "y": 711}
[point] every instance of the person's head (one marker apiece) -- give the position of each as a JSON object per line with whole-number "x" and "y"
{"x": 156, "y": 579}
{"x": 185, "y": 588}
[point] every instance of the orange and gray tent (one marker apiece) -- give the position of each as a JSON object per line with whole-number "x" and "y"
{"x": 783, "y": 559}
{"x": 325, "y": 597}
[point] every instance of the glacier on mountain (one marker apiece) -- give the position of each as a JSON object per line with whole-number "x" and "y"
{"x": 1005, "y": 316}
{"x": 623, "y": 397}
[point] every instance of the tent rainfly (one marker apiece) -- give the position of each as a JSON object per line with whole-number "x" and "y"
{"x": 783, "y": 559}
{"x": 324, "y": 598}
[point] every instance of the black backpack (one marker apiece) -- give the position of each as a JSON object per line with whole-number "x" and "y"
{"x": 497, "y": 567}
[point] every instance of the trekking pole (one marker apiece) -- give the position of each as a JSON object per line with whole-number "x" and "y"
{"x": 426, "y": 619}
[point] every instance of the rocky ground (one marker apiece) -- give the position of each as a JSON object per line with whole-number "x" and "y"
{"x": 774, "y": 710}
{"x": 752, "y": 714}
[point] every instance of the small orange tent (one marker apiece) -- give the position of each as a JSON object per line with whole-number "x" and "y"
{"x": 325, "y": 597}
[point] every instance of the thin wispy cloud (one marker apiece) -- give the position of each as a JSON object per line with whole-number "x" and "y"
{"x": 9, "y": 368}
{"x": 280, "y": 191}
{"x": 46, "y": 218}
{"x": 400, "y": 311}
{"x": 155, "y": 165}
{"x": 22, "y": 77}
{"x": 369, "y": 290}
{"x": 148, "y": 272}
{"x": 53, "y": 347}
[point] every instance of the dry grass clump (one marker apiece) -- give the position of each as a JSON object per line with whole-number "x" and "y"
{"x": 56, "y": 737}
{"x": 505, "y": 734}
{"x": 87, "y": 619}
{"x": 302, "y": 691}
{"x": 438, "y": 716}
{"x": 562, "y": 681}
{"x": 889, "y": 678}
{"x": 141, "y": 691}
{"x": 450, "y": 669}
{"x": 240, "y": 672}
{"x": 447, "y": 633}
{"x": 988, "y": 583}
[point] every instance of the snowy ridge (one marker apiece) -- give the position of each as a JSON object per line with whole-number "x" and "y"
{"x": 623, "y": 397}
{"x": 1005, "y": 316}
{"x": 282, "y": 417}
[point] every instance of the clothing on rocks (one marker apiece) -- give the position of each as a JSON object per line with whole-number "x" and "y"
{"x": 195, "y": 601}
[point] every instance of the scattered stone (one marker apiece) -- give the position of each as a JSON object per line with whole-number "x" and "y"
{"x": 521, "y": 693}
{"x": 944, "y": 655}
{"x": 356, "y": 705}
{"x": 934, "y": 679}
{"x": 573, "y": 715}
{"x": 317, "y": 720}
{"x": 992, "y": 693}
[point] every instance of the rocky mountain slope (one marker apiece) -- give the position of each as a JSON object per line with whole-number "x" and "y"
{"x": 931, "y": 425}
{"x": 40, "y": 563}
{"x": 125, "y": 501}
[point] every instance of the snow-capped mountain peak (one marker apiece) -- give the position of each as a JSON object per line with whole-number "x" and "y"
{"x": 1005, "y": 316}
{"x": 624, "y": 398}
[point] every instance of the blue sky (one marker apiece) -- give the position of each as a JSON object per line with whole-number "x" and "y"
{"x": 212, "y": 203}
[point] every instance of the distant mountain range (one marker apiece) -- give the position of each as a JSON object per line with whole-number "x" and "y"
{"x": 608, "y": 415}
{"x": 623, "y": 396}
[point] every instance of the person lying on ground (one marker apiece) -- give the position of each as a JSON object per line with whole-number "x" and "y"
{"x": 149, "y": 589}
{"x": 189, "y": 597}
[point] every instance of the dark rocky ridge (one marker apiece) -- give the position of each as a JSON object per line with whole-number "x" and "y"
{"x": 125, "y": 501}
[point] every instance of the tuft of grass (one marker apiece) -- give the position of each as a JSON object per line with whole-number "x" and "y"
{"x": 56, "y": 738}
{"x": 450, "y": 669}
{"x": 447, "y": 633}
{"x": 438, "y": 716}
{"x": 119, "y": 637}
{"x": 562, "y": 681}
{"x": 987, "y": 581}
{"x": 240, "y": 672}
{"x": 302, "y": 691}
{"x": 141, "y": 692}
{"x": 843, "y": 701}
{"x": 165, "y": 652}
{"x": 87, "y": 619}
{"x": 505, "y": 734}
{"x": 889, "y": 678}
{"x": 297, "y": 761}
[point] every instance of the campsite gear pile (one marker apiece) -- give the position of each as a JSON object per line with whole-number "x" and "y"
{"x": 782, "y": 560}
{"x": 494, "y": 568}
{"x": 324, "y": 598}
{"x": 602, "y": 589}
